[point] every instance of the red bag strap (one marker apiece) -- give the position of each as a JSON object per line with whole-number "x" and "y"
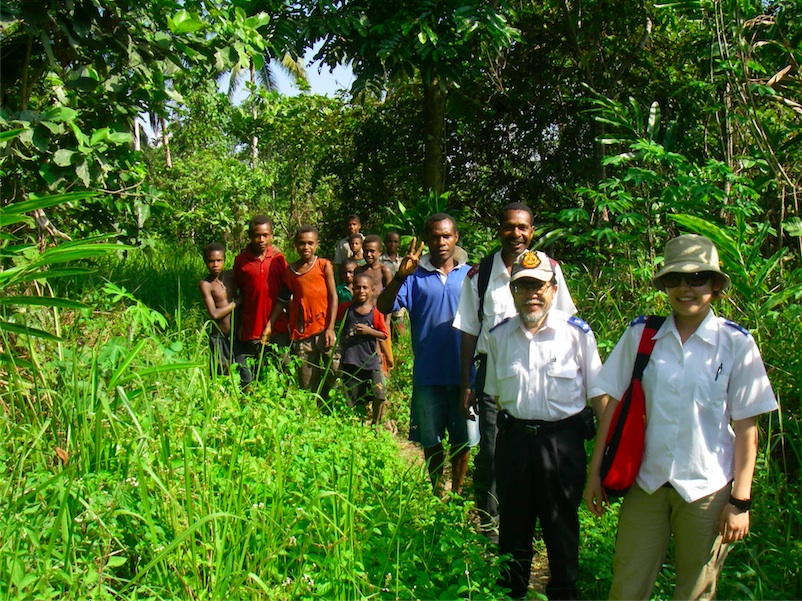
{"x": 646, "y": 346}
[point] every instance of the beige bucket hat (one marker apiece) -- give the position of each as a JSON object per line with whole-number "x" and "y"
{"x": 690, "y": 253}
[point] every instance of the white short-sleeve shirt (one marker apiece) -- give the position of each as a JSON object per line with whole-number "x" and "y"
{"x": 499, "y": 304}
{"x": 546, "y": 375}
{"x": 692, "y": 393}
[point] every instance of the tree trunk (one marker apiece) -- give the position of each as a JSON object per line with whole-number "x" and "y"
{"x": 434, "y": 125}
{"x": 254, "y": 139}
{"x": 137, "y": 136}
{"x": 168, "y": 158}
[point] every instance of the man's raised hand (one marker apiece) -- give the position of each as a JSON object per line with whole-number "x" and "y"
{"x": 410, "y": 262}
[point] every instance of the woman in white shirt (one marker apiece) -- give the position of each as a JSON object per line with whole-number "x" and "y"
{"x": 705, "y": 384}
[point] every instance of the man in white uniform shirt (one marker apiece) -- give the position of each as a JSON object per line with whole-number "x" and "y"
{"x": 540, "y": 368}
{"x": 485, "y": 301}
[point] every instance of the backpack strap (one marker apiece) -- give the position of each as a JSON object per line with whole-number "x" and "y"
{"x": 485, "y": 267}
{"x": 646, "y": 345}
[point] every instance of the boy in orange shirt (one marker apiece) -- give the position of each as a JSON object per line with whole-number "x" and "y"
{"x": 311, "y": 294}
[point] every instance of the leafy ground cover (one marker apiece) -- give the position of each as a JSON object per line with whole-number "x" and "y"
{"x": 127, "y": 472}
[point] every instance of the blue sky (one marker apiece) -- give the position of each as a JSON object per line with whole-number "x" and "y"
{"x": 322, "y": 81}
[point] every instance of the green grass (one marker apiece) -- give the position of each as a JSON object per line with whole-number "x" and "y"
{"x": 176, "y": 485}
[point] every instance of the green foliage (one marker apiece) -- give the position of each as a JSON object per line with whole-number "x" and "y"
{"x": 411, "y": 221}
{"x": 143, "y": 476}
{"x": 399, "y": 41}
{"x": 75, "y": 76}
{"x": 28, "y": 272}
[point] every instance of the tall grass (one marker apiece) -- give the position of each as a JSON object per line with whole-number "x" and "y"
{"x": 127, "y": 471}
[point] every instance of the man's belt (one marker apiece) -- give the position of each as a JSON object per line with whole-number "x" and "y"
{"x": 536, "y": 427}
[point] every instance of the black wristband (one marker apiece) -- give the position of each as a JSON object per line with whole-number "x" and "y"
{"x": 400, "y": 280}
{"x": 742, "y": 504}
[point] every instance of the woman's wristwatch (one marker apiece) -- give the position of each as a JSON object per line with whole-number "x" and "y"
{"x": 741, "y": 504}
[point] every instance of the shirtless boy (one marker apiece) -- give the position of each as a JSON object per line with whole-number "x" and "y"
{"x": 217, "y": 291}
{"x": 379, "y": 273}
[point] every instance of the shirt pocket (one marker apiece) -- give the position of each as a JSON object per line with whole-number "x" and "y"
{"x": 563, "y": 383}
{"x": 711, "y": 397}
{"x": 510, "y": 379}
{"x": 499, "y": 308}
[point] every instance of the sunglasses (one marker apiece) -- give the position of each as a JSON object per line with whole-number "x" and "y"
{"x": 695, "y": 280}
{"x": 529, "y": 285}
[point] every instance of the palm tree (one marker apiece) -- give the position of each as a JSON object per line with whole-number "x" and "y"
{"x": 265, "y": 78}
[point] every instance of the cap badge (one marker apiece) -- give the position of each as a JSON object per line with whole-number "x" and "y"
{"x": 530, "y": 260}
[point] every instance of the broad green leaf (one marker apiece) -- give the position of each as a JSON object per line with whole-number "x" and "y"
{"x": 61, "y": 272}
{"x": 89, "y": 72}
{"x": 63, "y": 156}
{"x": 82, "y": 171}
{"x": 115, "y": 561}
{"x": 119, "y": 137}
{"x": 6, "y": 220}
{"x": 793, "y": 226}
{"x": 62, "y": 254}
{"x": 174, "y": 95}
{"x": 185, "y": 22}
{"x": 26, "y": 206}
{"x": 50, "y": 175}
{"x": 258, "y": 21}
{"x": 98, "y": 135}
{"x": 10, "y": 134}
{"x": 59, "y": 114}
{"x": 82, "y": 138}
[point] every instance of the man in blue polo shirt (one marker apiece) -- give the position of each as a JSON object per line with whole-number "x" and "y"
{"x": 428, "y": 287}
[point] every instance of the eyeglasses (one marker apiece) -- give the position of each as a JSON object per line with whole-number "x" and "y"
{"x": 695, "y": 280}
{"x": 530, "y": 286}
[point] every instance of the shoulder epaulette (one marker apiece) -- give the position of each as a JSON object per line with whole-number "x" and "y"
{"x": 501, "y": 323}
{"x": 581, "y": 324}
{"x": 473, "y": 271}
{"x": 741, "y": 329}
{"x": 638, "y": 320}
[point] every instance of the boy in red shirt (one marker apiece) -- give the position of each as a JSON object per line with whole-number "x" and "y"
{"x": 258, "y": 270}
{"x": 310, "y": 292}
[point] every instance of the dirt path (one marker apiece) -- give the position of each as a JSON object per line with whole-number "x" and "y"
{"x": 540, "y": 566}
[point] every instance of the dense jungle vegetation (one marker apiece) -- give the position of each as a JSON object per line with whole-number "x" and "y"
{"x": 126, "y": 471}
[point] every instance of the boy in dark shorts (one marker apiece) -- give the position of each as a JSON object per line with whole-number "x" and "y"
{"x": 217, "y": 291}
{"x": 360, "y": 363}
{"x": 381, "y": 276}
{"x": 311, "y": 295}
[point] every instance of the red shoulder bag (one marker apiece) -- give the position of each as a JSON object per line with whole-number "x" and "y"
{"x": 623, "y": 449}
